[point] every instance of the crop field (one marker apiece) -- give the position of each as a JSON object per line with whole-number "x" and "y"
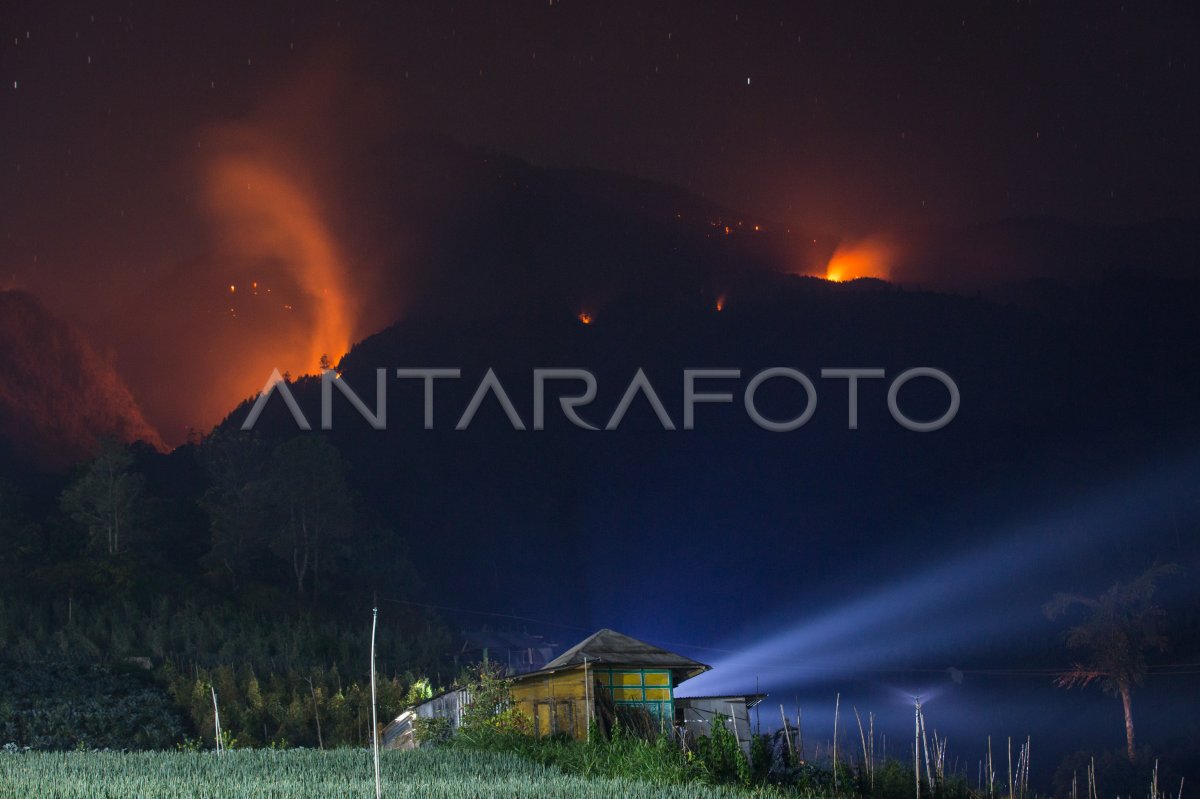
{"x": 310, "y": 774}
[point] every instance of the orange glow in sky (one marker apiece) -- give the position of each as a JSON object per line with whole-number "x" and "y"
{"x": 852, "y": 260}
{"x": 266, "y": 216}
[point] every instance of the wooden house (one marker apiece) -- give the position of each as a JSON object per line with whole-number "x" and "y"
{"x": 606, "y": 677}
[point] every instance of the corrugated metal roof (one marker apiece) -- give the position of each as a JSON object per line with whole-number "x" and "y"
{"x": 610, "y": 646}
{"x": 750, "y": 699}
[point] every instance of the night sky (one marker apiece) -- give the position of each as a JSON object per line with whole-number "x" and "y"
{"x": 850, "y": 119}
{"x": 847, "y": 120}
{"x": 200, "y": 195}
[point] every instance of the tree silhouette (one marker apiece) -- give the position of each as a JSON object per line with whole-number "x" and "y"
{"x": 312, "y": 508}
{"x": 107, "y": 497}
{"x": 1117, "y": 630}
{"x": 235, "y": 503}
{"x": 11, "y": 524}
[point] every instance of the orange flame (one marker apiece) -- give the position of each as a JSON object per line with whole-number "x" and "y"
{"x": 721, "y": 303}
{"x": 867, "y": 258}
{"x": 585, "y": 317}
{"x": 267, "y": 216}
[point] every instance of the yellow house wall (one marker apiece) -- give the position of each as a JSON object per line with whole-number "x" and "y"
{"x": 555, "y": 703}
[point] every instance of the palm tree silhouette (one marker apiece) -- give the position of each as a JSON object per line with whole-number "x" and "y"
{"x": 1118, "y": 628}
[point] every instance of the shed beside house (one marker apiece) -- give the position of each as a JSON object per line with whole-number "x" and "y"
{"x": 696, "y": 714}
{"x": 401, "y": 732}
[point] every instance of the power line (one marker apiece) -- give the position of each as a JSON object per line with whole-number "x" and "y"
{"x": 1161, "y": 669}
{"x": 530, "y": 619}
{"x": 489, "y": 613}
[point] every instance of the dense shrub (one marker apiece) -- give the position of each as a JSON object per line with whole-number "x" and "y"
{"x": 1115, "y": 775}
{"x": 68, "y": 706}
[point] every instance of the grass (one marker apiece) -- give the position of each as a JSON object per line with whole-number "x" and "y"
{"x": 309, "y": 774}
{"x": 660, "y": 762}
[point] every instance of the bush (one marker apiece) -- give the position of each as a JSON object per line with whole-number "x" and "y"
{"x": 620, "y": 756}
{"x": 432, "y": 732}
{"x": 69, "y": 706}
{"x": 1115, "y": 775}
{"x": 720, "y": 758}
{"x": 489, "y": 719}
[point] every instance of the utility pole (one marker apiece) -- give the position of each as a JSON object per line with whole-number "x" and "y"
{"x": 374, "y": 711}
{"x": 587, "y": 698}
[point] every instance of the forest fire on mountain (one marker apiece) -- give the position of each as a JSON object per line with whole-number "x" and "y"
{"x": 266, "y": 217}
{"x": 866, "y": 258}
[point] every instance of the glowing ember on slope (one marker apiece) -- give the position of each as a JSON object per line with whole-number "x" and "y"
{"x": 867, "y": 258}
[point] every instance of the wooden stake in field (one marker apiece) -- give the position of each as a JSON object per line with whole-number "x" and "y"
{"x": 787, "y": 735}
{"x": 374, "y": 711}
{"x": 863, "y": 738}
{"x": 316, "y": 714}
{"x": 917, "y": 744}
{"x": 1010, "y": 781}
{"x": 733, "y": 719}
{"x": 587, "y": 698}
{"x": 216, "y": 720}
{"x": 924, "y": 743}
{"x": 799, "y": 732}
{"x": 871, "y": 723}
{"x": 837, "y": 705}
{"x": 1028, "y": 757}
{"x": 991, "y": 771}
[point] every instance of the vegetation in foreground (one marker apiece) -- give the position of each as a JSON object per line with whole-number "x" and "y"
{"x": 491, "y": 724}
{"x": 310, "y": 774}
{"x": 775, "y": 767}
